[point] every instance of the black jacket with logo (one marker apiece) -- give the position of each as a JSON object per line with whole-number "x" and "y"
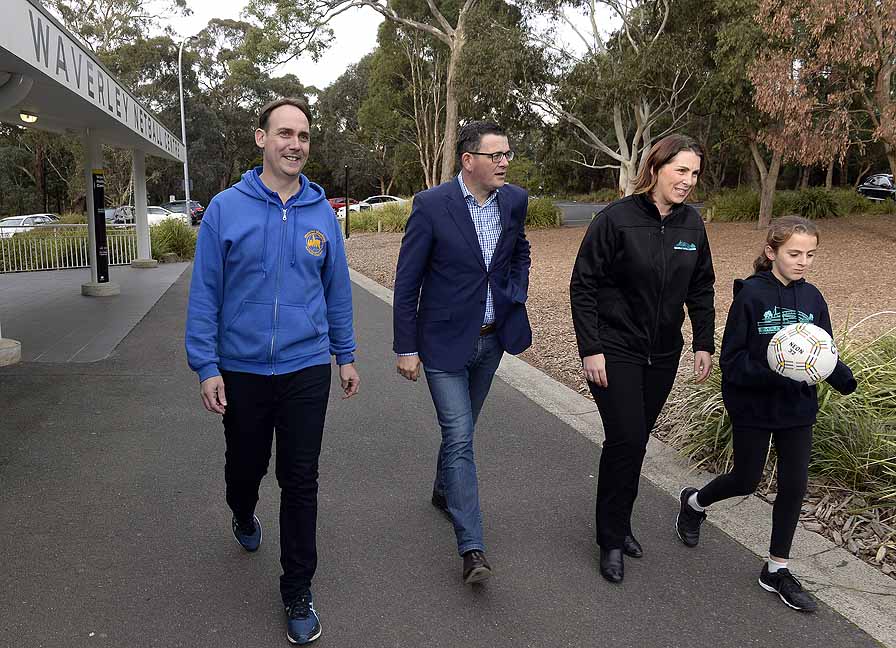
{"x": 754, "y": 395}
{"x": 634, "y": 273}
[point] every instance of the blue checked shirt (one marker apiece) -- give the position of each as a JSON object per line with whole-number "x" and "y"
{"x": 487, "y": 221}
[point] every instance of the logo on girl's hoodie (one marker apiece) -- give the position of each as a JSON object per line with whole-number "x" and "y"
{"x": 774, "y": 319}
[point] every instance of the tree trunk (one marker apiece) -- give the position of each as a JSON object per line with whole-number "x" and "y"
{"x": 767, "y": 200}
{"x": 891, "y": 156}
{"x": 768, "y": 180}
{"x": 448, "y": 152}
{"x": 829, "y": 178}
{"x": 627, "y": 174}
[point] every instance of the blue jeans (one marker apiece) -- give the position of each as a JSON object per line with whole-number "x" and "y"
{"x": 458, "y": 398}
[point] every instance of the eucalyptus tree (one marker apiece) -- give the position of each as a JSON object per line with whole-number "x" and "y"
{"x": 635, "y": 75}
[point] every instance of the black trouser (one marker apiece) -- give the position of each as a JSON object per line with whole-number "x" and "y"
{"x": 629, "y": 406}
{"x": 793, "y": 447}
{"x": 295, "y": 405}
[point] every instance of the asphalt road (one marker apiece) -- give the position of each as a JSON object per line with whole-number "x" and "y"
{"x": 115, "y": 531}
{"x": 577, "y": 214}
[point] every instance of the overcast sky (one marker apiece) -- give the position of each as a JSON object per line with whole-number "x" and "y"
{"x": 355, "y": 30}
{"x": 355, "y": 36}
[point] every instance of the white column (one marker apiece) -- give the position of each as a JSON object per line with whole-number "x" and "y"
{"x": 93, "y": 159}
{"x": 144, "y": 255}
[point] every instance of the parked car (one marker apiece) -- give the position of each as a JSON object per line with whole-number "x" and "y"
{"x": 373, "y": 202}
{"x": 878, "y": 187}
{"x": 376, "y": 202}
{"x": 180, "y": 206}
{"x": 15, "y": 225}
{"x": 19, "y": 224}
{"x": 45, "y": 218}
{"x": 337, "y": 203}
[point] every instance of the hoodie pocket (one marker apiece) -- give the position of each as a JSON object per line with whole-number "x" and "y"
{"x": 296, "y": 333}
{"x": 248, "y": 334}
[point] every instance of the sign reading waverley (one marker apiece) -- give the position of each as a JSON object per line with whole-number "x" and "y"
{"x": 36, "y": 39}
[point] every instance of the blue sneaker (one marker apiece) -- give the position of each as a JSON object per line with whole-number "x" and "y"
{"x": 302, "y": 622}
{"x": 249, "y": 537}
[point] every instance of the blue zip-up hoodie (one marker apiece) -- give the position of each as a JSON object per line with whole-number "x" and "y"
{"x": 754, "y": 395}
{"x": 270, "y": 292}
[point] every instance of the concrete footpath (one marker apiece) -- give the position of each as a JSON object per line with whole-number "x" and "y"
{"x": 115, "y": 531}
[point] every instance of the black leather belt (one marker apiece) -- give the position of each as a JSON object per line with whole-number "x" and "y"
{"x": 486, "y": 329}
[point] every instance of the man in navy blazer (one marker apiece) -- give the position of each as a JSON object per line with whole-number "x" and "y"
{"x": 459, "y": 304}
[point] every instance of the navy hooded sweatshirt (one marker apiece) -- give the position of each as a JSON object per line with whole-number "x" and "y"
{"x": 754, "y": 395}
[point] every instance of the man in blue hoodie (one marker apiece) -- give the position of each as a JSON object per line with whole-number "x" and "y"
{"x": 270, "y": 302}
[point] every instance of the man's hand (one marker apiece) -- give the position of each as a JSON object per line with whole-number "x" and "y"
{"x": 595, "y": 369}
{"x": 212, "y": 392}
{"x": 350, "y": 380}
{"x": 409, "y": 366}
{"x": 702, "y": 365}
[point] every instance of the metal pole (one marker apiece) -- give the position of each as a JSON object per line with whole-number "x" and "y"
{"x": 348, "y": 231}
{"x": 183, "y": 126}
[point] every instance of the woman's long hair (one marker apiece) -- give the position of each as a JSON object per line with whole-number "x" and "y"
{"x": 779, "y": 232}
{"x": 660, "y": 155}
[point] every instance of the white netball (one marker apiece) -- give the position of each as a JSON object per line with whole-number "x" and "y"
{"x": 802, "y": 352}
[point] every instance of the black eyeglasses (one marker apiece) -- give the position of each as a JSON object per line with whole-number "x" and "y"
{"x": 495, "y": 157}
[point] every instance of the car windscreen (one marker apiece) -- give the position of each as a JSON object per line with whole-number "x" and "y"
{"x": 10, "y": 222}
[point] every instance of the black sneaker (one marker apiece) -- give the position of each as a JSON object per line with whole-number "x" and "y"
{"x": 688, "y": 522}
{"x": 248, "y": 535}
{"x": 302, "y": 622}
{"x": 788, "y": 588}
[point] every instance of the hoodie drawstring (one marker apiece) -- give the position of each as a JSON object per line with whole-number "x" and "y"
{"x": 796, "y": 303}
{"x": 264, "y": 246}
{"x": 295, "y": 228}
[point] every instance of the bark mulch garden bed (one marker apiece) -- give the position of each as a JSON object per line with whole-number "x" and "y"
{"x": 855, "y": 269}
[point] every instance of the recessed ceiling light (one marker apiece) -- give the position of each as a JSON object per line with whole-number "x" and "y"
{"x": 27, "y": 117}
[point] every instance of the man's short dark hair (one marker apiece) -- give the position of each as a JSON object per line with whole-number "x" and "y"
{"x": 271, "y": 106}
{"x": 470, "y": 136}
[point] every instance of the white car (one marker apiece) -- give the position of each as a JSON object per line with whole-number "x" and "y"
{"x": 19, "y": 224}
{"x": 155, "y": 215}
{"x": 372, "y": 202}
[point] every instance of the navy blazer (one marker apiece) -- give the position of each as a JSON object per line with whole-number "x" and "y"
{"x": 441, "y": 279}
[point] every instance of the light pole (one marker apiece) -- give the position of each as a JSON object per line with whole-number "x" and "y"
{"x": 183, "y": 126}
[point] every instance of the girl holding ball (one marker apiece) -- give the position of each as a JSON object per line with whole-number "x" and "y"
{"x": 764, "y": 405}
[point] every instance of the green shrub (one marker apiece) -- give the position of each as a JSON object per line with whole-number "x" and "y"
{"x": 741, "y": 205}
{"x": 392, "y": 217}
{"x": 851, "y": 203}
{"x": 172, "y": 235}
{"x": 881, "y": 207}
{"x": 854, "y": 440}
{"x": 734, "y": 205}
{"x": 815, "y": 203}
{"x": 542, "y": 212}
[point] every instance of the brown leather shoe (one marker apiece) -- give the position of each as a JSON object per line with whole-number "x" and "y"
{"x": 476, "y": 567}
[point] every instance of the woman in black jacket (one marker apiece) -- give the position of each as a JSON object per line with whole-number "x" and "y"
{"x": 642, "y": 260}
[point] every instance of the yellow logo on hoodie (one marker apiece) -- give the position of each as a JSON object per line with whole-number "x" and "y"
{"x": 314, "y": 242}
